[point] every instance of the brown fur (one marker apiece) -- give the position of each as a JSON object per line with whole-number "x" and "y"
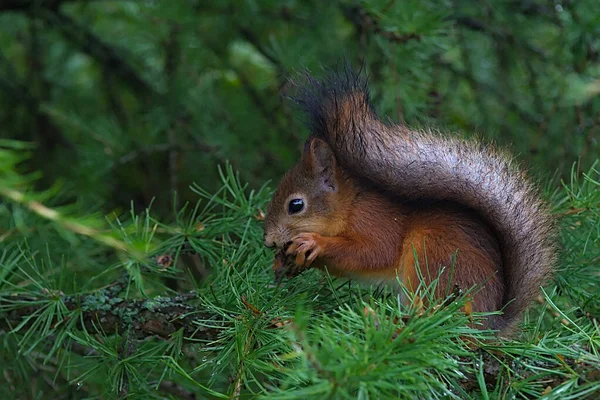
{"x": 439, "y": 233}
{"x": 360, "y": 233}
{"x": 417, "y": 165}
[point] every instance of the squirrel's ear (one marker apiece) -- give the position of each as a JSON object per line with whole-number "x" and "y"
{"x": 320, "y": 160}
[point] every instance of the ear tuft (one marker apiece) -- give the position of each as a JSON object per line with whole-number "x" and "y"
{"x": 320, "y": 160}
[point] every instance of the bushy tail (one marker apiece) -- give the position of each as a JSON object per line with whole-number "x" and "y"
{"x": 424, "y": 164}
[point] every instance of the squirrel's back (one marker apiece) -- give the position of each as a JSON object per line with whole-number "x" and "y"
{"x": 424, "y": 164}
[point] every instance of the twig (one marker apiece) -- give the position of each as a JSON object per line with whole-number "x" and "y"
{"x": 572, "y": 211}
{"x": 161, "y": 316}
{"x": 172, "y": 50}
{"x": 50, "y": 134}
{"x": 237, "y": 390}
{"x": 159, "y": 148}
{"x": 367, "y": 23}
{"x": 126, "y": 349}
{"x": 93, "y": 46}
{"x": 68, "y": 223}
{"x": 113, "y": 99}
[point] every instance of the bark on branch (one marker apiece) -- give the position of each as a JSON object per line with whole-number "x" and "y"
{"x": 102, "y": 312}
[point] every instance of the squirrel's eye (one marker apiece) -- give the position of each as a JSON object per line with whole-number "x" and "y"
{"x": 295, "y": 206}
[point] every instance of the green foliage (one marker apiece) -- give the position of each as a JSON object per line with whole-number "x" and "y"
{"x": 245, "y": 335}
{"x": 129, "y": 101}
{"x": 110, "y": 106}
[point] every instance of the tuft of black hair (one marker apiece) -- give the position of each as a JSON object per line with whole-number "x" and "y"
{"x": 340, "y": 101}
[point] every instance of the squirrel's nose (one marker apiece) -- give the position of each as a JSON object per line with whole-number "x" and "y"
{"x": 269, "y": 242}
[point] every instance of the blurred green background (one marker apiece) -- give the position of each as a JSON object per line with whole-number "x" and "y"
{"x": 130, "y": 100}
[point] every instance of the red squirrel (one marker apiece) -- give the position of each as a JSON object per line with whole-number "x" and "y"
{"x": 368, "y": 196}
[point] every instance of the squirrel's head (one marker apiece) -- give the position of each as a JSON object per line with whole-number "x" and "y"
{"x": 311, "y": 197}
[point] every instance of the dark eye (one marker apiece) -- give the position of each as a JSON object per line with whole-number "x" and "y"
{"x": 295, "y": 206}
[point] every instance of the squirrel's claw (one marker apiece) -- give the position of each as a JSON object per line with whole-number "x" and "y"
{"x": 306, "y": 247}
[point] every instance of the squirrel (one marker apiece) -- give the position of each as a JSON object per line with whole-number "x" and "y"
{"x": 375, "y": 201}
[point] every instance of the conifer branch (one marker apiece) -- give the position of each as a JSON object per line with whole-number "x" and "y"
{"x": 367, "y": 23}
{"x": 66, "y": 222}
{"x": 497, "y": 34}
{"x": 96, "y": 48}
{"x": 102, "y": 313}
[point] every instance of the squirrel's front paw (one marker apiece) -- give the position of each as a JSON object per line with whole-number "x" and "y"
{"x": 306, "y": 247}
